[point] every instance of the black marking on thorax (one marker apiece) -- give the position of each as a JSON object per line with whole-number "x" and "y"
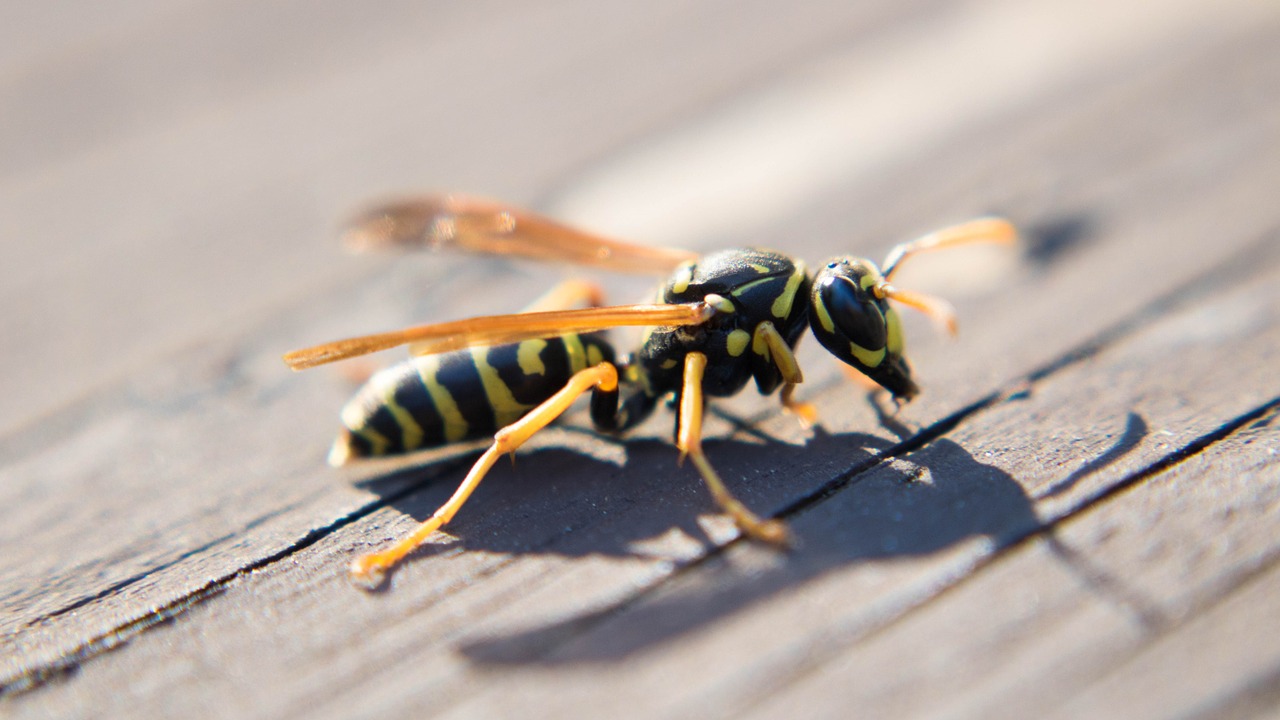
{"x": 761, "y": 286}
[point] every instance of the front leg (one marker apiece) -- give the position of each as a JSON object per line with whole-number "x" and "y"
{"x": 768, "y": 343}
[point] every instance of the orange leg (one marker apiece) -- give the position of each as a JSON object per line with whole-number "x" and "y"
{"x": 690, "y": 444}
{"x": 368, "y": 570}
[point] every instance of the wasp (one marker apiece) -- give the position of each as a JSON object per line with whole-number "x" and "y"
{"x": 719, "y": 321}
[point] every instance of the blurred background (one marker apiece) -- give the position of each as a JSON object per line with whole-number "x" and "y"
{"x": 173, "y": 175}
{"x": 171, "y": 172}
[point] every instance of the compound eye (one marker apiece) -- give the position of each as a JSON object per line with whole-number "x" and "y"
{"x": 855, "y": 313}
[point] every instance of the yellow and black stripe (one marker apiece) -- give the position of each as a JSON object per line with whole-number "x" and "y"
{"x": 435, "y": 400}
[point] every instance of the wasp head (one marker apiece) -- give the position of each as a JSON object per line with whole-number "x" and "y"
{"x": 850, "y": 314}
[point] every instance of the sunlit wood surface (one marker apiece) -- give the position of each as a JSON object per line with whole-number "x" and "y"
{"x": 1079, "y": 517}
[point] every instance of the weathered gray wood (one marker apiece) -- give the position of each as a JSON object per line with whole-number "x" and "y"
{"x": 903, "y": 533}
{"x": 211, "y": 464}
{"x": 1107, "y": 588}
{"x": 1236, "y": 665}
{"x": 166, "y": 451}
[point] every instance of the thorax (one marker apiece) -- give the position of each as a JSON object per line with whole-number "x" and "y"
{"x": 755, "y": 286}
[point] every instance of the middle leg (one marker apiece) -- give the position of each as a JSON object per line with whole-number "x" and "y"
{"x": 768, "y": 342}
{"x": 689, "y": 441}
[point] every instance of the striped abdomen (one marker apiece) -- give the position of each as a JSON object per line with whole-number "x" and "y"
{"x": 465, "y": 395}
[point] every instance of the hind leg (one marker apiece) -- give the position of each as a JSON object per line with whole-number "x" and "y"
{"x": 368, "y": 570}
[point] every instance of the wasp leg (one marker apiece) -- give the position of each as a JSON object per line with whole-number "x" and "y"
{"x": 368, "y": 570}
{"x": 566, "y": 295}
{"x": 768, "y": 342}
{"x": 689, "y": 440}
{"x": 989, "y": 229}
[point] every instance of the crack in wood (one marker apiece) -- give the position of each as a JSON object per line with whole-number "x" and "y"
{"x": 65, "y": 665}
{"x": 1207, "y": 282}
{"x": 132, "y": 579}
{"x": 1148, "y": 617}
{"x": 1248, "y": 262}
{"x": 1264, "y": 413}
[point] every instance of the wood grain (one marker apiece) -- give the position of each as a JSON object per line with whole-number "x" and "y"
{"x": 1084, "y": 495}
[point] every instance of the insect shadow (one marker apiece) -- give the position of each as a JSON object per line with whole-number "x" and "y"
{"x": 932, "y": 499}
{"x": 937, "y": 498}
{"x": 588, "y": 495}
{"x": 565, "y": 502}
{"x": 1047, "y": 241}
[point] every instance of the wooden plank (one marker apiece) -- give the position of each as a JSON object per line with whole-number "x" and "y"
{"x": 308, "y": 642}
{"x": 160, "y": 438}
{"x": 904, "y": 533}
{"x": 1237, "y": 666}
{"x": 1095, "y": 603}
{"x": 302, "y": 592}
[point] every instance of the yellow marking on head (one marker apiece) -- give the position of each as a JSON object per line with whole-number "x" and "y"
{"x": 737, "y": 342}
{"x": 870, "y": 358}
{"x": 455, "y": 425}
{"x": 410, "y": 431}
{"x": 529, "y": 355}
{"x": 506, "y": 409}
{"x": 668, "y": 364}
{"x": 762, "y": 269}
{"x": 594, "y": 356}
{"x": 782, "y": 305}
{"x": 824, "y": 317}
{"x": 681, "y": 278}
{"x": 576, "y": 352}
{"x": 893, "y": 326}
{"x": 870, "y": 279}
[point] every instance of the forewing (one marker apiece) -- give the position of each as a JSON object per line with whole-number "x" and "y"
{"x": 501, "y": 329}
{"x": 489, "y": 227}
